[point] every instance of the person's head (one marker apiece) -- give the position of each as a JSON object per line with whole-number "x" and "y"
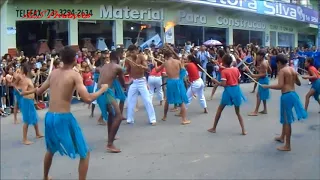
{"x": 25, "y": 68}
{"x": 84, "y": 64}
{"x": 120, "y": 52}
{"x": 282, "y": 60}
{"x": 203, "y": 48}
{"x": 227, "y": 60}
{"x": 133, "y": 49}
{"x": 114, "y": 57}
{"x": 309, "y": 62}
{"x": 220, "y": 53}
{"x": 56, "y": 63}
{"x": 193, "y": 59}
{"x": 68, "y": 56}
{"x": 274, "y": 52}
{"x": 260, "y": 55}
{"x": 41, "y": 56}
{"x": 87, "y": 69}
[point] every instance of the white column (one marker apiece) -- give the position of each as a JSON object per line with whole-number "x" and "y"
{"x": 3, "y": 29}
{"x": 73, "y": 32}
{"x": 229, "y": 36}
{"x": 117, "y": 32}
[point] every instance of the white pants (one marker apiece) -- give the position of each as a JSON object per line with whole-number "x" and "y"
{"x": 94, "y": 90}
{"x": 139, "y": 86}
{"x": 197, "y": 88}
{"x": 155, "y": 87}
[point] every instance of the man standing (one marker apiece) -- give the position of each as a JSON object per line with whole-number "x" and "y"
{"x": 204, "y": 57}
{"x": 136, "y": 67}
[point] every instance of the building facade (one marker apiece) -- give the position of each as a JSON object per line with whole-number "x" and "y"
{"x": 28, "y": 25}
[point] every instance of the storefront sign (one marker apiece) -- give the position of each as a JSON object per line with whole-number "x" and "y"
{"x": 240, "y": 23}
{"x": 54, "y": 13}
{"x": 284, "y": 10}
{"x": 191, "y": 18}
{"x": 109, "y": 12}
{"x": 281, "y": 28}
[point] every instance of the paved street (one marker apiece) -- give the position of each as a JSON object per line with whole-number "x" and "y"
{"x": 172, "y": 151}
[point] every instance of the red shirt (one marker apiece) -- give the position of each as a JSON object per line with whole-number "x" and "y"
{"x": 193, "y": 72}
{"x": 231, "y": 76}
{"x": 220, "y": 64}
{"x": 158, "y": 74}
{"x": 313, "y": 69}
{"x": 87, "y": 78}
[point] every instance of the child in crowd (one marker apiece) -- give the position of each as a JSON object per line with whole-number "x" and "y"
{"x": 232, "y": 94}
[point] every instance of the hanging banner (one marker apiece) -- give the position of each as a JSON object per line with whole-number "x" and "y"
{"x": 156, "y": 40}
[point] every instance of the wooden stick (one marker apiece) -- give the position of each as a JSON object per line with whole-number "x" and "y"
{"x": 303, "y": 70}
{"x": 134, "y": 63}
{"x": 252, "y": 78}
{"x": 158, "y": 60}
{"x": 205, "y": 72}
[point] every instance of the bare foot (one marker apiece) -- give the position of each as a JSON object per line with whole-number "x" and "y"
{"x": 212, "y": 130}
{"x": 123, "y": 118}
{"x": 16, "y": 122}
{"x": 39, "y": 136}
{"x": 252, "y": 91}
{"x": 179, "y": 115}
{"x": 164, "y": 118}
{"x": 244, "y": 133}
{"x": 263, "y": 112}
{"x": 153, "y": 124}
{"x": 102, "y": 123}
{"x": 174, "y": 109}
{"x": 185, "y": 122}
{"x": 205, "y": 111}
{"x": 211, "y": 98}
{"x": 253, "y": 114}
{"x": 26, "y": 142}
{"x": 279, "y": 139}
{"x": 116, "y": 138}
{"x": 136, "y": 110}
{"x": 91, "y": 116}
{"x": 48, "y": 178}
{"x": 284, "y": 148}
{"x": 113, "y": 149}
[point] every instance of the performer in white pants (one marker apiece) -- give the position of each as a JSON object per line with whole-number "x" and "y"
{"x": 155, "y": 82}
{"x": 136, "y": 67}
{"x": 197, "y": 85}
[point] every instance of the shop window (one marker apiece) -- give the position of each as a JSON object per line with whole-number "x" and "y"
{"x": 218, "y": 34}
{"x": 95, "y": 35}
{"x": 285, "y": 40}
{"x": 141, "y": 32}
{"x": 183, "y": 33}
{"x": 306, "y": 40}
{"x": 256, "y": 37}
{"x": 240, "y": 37}
{"x": 34, "y": 37}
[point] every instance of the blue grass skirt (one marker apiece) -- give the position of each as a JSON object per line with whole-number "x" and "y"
{"x": 182, "y": 74}
{"x": 17, "y": 96}
{"x": 29, "y": 113}
{"x": 176, "y": 92}
{"x": 316, "y": 87}
{"x": 90, "y": 88}
{"x": 118, "y": 91}
{"x": 264, "y": 93}
{"x": 63, "y": 134}
{"x": 288, "y": 101}
{"x": 104, "y": 100}
{"x": 232, "y": 95}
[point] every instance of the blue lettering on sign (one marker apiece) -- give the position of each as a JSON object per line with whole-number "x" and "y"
{"x": 285, "y": 10}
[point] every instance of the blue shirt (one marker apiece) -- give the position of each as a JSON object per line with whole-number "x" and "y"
{"x": 203, "y": 58}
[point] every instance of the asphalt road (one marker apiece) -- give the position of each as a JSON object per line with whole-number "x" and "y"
{"x": 172, "y": 151}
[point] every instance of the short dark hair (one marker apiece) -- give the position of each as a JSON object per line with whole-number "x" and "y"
{"x": 67, "y": 55}
{"x": 114, "y": 56}
{"x": 227, "y": 60}
{"x": 132, "y": 47}
{"x": 310, "y": 60}
{"x": 282, "y": 59}
{"x": 25, "y": 67}
{"x": 221, "y": 53}
{"x": 261, "y": 53}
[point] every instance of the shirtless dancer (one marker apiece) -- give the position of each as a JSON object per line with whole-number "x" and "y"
{"x": 17, "y": 105}
{"x": 136, "y": 68}
{"x": 262, "y": 76}
{"x": 62, "y": 131}
{"x": 289, "y": 100}
{"x": 176, "y": 91}
{"x": 107, "y": 101}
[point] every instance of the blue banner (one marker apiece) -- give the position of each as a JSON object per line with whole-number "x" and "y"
{"x": 285, "y": 10}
